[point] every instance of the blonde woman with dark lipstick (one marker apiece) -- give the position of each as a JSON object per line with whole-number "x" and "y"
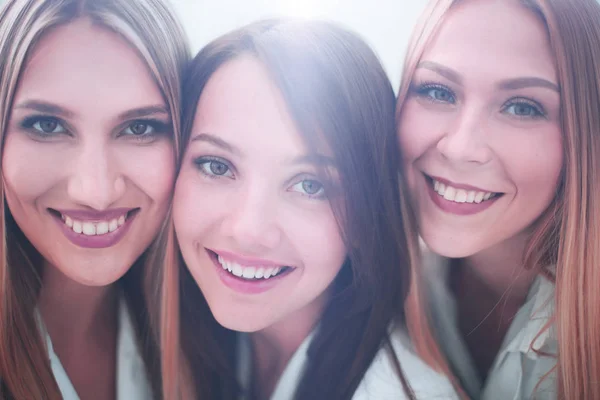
{"x": 89, "y": 111}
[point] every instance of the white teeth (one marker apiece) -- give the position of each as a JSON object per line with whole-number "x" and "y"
{"x": 93, "y": 228}
{"x": 479, "y": 197}
{"x": 268, "y": 273}
{"x": 471, "y": 197}
{"x": 237, "y": 270}
{"x": 450, "y": 193}
{"x": 89, "y": 229}
{"x": 441, "y": 189}
{"x": 460, "y": 195}
{"x": 113, "y": 225}
{"x": 102, "y": 228}
{"x": 248, "y": 272}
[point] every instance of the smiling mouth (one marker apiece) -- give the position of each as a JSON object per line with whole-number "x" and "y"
{"x": 458, "y": 195}
{"x": 97, "y": 226}
{"x": 254, "y": 273}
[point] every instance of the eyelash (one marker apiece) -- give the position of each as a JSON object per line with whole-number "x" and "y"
{"x": 423, "y": 89}
{"x": 158, "y": 128}
{"x": 539, "y": 111}
{"x": 203, "y": 165}
{"x": 200, "y": 163}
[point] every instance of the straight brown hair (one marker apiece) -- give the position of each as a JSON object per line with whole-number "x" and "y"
{"x": 568, "y": 234}
{"x": 150, "y": 28}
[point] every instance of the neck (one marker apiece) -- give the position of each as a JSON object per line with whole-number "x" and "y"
{"x": 500, "y": 270}
{"x": 73, "y": 312}
{"x": 273, "y": 347}
{"x": 490, "y": 287}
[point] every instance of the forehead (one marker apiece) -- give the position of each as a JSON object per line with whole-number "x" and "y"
{"x": 79, "y": 64}
{"x": 241, "y": 103}
{"x": 496, "y": 37}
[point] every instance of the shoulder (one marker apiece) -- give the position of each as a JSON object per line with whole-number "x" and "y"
{"x": 381, "y": 381}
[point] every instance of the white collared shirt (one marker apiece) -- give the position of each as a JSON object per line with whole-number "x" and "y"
{"x": 379, "y": 383}
{"x": 132, "y": 381}
{"x": 517, "y": 368}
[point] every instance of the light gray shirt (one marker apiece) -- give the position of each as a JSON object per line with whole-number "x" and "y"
{"x": 379, "y": 383}
{"x": 517, "y": 369}
{"x": 132, "y": 381}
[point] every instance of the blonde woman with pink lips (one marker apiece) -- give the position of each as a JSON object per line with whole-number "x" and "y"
{"x": 498, "y": 124}
{"x": 89, "y": 110}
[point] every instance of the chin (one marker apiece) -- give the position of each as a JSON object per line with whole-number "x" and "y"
{"x": 449, "y": 247}
{"x": 239, "y": 320}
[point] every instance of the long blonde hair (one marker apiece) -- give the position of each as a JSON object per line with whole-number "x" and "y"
{"x": 568, "y": 234}
{"x": 153, "y": 32}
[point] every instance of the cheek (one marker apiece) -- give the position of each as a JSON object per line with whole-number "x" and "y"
{"x": 157, "y": 176}
{"x": 534, "y": 161}
{"x": 29, "y": 168}
{"x": 317, "y": 237}
{"x": 419, "y": 129}
{"x": 195, "y": 205}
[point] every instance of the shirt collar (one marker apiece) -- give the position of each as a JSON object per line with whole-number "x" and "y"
{"x": 132, "y": 381}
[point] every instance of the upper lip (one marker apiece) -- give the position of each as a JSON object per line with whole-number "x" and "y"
{"x": 94, "y": 215}
{"x": 248, "y": 261}
{"x": 460, "y": 185}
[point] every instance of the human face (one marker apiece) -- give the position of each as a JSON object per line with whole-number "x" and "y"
{"x": 253, "y": 221}
{"x": 88, "y": 162}
{"x": 480, "y": 128}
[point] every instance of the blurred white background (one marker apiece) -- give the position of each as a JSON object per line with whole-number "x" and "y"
{"x": 383, "y": 24}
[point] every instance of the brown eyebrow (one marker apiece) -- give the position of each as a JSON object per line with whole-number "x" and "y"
{"x": 525, "y": 82}
{"x": 215, "y": 141}
{"x": 442, "y": 70}
{"x": 508, "y": 84}
{"x": 144, "y": 112}
{"x": 45, "y": 107}
{"x": 50, "y": 108}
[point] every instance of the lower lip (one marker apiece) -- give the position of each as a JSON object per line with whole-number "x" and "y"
{"x": 457, "y": 208}
{"x": 244, "y": 286}
{"x": 96, "y": 241}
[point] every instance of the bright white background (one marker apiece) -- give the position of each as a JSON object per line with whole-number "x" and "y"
{"x": 383, "y": 24}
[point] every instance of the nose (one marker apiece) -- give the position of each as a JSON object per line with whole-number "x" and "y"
{"x": 95, "y": 180}
{"x": 252, "y": 223}
{"x": 466, "y": 139}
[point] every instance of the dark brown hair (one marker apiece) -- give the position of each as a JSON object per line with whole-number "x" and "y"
{"x": 337, "y": 93}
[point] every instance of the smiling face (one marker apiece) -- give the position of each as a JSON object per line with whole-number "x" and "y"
{"x": 253, "y": 221}
{"x": 480, "y": 129}
{"x": 88, "y": 161}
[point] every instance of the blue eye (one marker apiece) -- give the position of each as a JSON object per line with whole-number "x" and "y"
{"x": 213, "y": 167}
{"x": 309, "y": 187}
{"x": 139, "y": 128}
{"x": 436, "y": 93}
{"x": 43, "y": 126}
{"x": 145, "y": 129}
{"x": 524, "y": 108}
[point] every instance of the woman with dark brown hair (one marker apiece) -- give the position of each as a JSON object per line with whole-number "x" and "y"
{"x": 287, "y": 213}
